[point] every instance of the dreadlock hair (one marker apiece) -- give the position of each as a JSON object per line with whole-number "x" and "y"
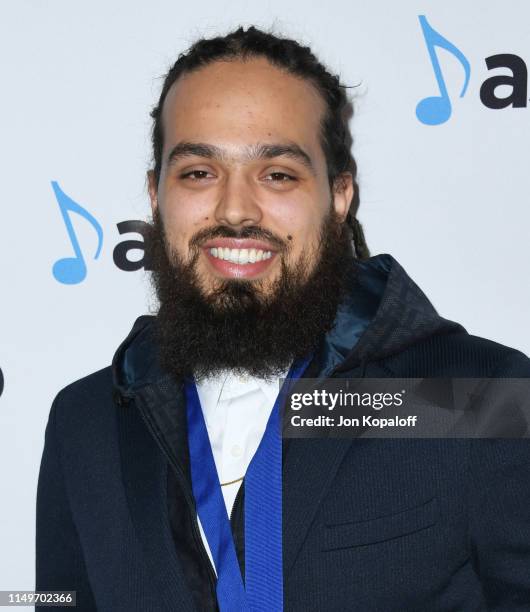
{"x": 287, "y": 54}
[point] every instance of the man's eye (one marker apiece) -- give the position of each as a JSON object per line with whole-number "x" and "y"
{"x": 280, "y": 177}
{"x": 195, "y": 175}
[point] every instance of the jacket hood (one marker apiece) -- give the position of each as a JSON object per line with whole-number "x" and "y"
{"x": 383, "y": 312}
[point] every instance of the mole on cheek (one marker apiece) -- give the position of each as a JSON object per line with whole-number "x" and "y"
{"x": 289, "y": 237}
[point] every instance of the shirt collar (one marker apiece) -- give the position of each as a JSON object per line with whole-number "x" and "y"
{"x": 231, "y": 386}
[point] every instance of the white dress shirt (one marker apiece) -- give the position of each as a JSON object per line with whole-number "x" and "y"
{"x": 236, "y": 410}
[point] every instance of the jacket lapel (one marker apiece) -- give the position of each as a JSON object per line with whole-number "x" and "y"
{"x": 144, "y": 470}
{"x": 309, "y": 467}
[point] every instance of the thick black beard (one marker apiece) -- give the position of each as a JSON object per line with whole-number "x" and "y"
{"x": 236, "y": 326}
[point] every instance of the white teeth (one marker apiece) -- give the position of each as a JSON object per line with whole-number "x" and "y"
{"x": 240, "y": 256}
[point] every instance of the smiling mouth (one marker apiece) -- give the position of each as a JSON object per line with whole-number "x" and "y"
{"x": 241, "y": 257}
{"x": 236, "y": 258}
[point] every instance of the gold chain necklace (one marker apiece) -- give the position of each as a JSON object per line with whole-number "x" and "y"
{"x": 223, "y": 484}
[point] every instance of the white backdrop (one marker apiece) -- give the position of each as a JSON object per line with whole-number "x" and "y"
{"x": 449, "y": 201}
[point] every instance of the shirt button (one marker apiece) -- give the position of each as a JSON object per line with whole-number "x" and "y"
{"x": 236, "y": 450}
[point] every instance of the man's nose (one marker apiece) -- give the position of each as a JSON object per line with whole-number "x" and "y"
{"x": 237, "y": 204}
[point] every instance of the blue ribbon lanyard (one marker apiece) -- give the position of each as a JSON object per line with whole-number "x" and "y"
{"x": 263, "y": 590}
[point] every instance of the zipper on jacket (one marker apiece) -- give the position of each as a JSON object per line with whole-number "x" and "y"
{"x": 182, "y": 479}
{"x": 235, "y": 520}
{"x": 238, "y": 495}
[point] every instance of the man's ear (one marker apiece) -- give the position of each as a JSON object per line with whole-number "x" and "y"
{"x": 343, "y": 191}
{"x": 153, "y": 190}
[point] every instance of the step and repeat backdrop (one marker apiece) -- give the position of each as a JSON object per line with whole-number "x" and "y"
{"x": 441, "y": 128}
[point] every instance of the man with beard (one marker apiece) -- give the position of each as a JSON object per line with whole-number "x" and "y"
{"x": 164, "y": 484}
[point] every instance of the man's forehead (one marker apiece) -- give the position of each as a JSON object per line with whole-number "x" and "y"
{"x": 253, "y": 100}
{"x": 257, "y": 76}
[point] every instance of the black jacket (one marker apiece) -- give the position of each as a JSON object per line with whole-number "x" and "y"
{"x": 393, "y": 525}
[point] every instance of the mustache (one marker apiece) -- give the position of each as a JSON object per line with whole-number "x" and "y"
{"x": 251, "y": 232}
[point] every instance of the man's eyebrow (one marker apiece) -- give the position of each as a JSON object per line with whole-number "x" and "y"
{"x": 253, "y": 152}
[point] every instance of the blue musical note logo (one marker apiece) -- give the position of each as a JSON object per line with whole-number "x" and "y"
{"x": 435, "y": 110}
{"x": 73, "y": 270}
